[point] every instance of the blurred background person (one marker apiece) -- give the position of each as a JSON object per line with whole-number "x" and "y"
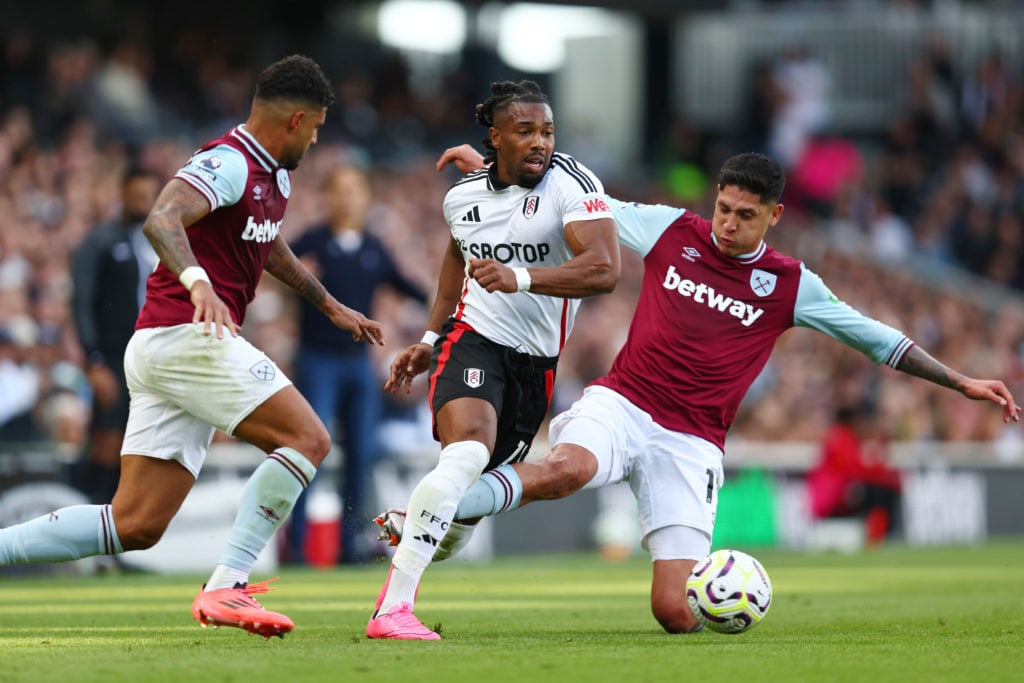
{"x": 853, "y": 477}
{"x": 109, "y": 271}
{"x": 338, "y": 376}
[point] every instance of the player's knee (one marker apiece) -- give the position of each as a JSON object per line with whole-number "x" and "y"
{"x": 314, "y": 444}
{"x": 674, "y": 614}
{"x": 140, "y": 534}
{"x": 565, "y": 473}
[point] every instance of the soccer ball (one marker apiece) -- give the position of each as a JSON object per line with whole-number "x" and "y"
{"x": 729, "y": 591}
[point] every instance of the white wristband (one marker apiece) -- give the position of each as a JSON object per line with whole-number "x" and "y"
{"x": 522, "y": 279}
{"x": 430, "y": 338}
{"x": 192, "y": 275}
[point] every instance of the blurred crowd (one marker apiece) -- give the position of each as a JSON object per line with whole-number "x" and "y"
{"x": 918, "y": 226}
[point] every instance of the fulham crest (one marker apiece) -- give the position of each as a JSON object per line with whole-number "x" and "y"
{"x": 762, "y": 282}
{"x": 473, "y": 377}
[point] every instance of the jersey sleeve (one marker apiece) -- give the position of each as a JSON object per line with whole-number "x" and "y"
{"x": 641, "y": 225}
{"x": 581, "y": 191}
{"x": 820, "y": 309}
{"x": 218, "y": 173}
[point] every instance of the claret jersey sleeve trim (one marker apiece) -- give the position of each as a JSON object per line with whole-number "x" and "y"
{"x": 218, "y": 173}
{"x": 642, "y": 225}
{"x": 819, "y": 309}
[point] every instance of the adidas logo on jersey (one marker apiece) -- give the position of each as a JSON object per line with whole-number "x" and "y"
{"x": 703, "y": 294}
{"x": 473, "y": 216}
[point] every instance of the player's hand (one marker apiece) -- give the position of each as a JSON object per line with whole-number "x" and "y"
{"x": 361, "y": 327}
{"x": 995, "y": 391}
{"x": 407, "y": 365}
{"x": 464, "y": 158}
{"x": 104, "y": 384}
{"x": 211, "y": 311}
{"x": 493, "y": 276}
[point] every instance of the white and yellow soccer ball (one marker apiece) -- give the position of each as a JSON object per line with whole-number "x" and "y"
{"x": 729, "y": 591}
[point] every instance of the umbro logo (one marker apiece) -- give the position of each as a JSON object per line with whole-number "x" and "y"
{"x": 269, "y": 514}
{"x": 473, "y": 216}
{"x": 426, "y": 538}
{"x": 690, "y": 254}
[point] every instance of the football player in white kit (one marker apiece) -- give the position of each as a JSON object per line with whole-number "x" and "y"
{"x": 714, "y": 299}
{"x": 531, "y": 235}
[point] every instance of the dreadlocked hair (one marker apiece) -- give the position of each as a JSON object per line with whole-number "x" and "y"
{"x": 503, "y": 95}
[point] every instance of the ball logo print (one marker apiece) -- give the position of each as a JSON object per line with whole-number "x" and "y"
{"x": 729, "y": 591}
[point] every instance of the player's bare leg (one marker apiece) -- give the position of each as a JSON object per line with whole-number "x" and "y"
{"x": 467, "y": 427}
{"x": 668, "y": 596}
{"x": 288, "y": 430}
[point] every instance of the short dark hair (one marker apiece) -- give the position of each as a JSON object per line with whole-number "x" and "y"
{"x": 295, "y": 78}
{"x": 756, "y": 173}
{"x": 503, "y": 95}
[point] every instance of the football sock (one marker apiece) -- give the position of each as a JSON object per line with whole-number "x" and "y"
{"x": 496, "y": 491}
{"x": 430, "y": 512}
{"x": 268, "y": 497}
{"x": 66, "y": 534}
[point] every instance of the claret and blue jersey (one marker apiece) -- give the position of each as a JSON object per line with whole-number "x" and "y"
{"x": 706, "y": 323}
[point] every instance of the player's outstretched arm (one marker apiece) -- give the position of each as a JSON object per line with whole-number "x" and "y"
{"x": 416, "y": 359}
{"x": 283, "y": 264}
{"x": 919, "y": 363}
{"x": 463, "y": 157}
{"x": 177, "y": 207}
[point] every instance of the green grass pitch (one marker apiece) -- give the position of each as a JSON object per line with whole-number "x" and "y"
{"x": 897, "y": 614}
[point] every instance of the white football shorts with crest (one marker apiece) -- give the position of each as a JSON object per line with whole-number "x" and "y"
{"x": 184, "y": 384}
{"x": 674, "y": 476}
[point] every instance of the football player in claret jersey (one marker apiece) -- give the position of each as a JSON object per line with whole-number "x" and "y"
{"x": 530, "y": 236}
{"x": 216, "y": 228}
{"x": 713, "y": 301}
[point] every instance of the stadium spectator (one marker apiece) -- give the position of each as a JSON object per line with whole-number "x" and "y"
{"x": 852, "y": 476}
{"x": 109, "y": 274}
{"x": 337, "y": 375}
{"x": 531, "y": 236}
{"x": 189, "y": 372}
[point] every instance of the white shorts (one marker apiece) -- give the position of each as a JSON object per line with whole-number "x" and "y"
{"x": 675, "y": 477}
{"x": 184, "y": 383}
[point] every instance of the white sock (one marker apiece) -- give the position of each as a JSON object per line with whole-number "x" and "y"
{"x": 267, "y": 500}
{"x": 70, "y": 533}
{"x": 430, "y": 512}
{"x": 496, "y": 491}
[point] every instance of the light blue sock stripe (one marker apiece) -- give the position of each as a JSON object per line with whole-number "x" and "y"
{"x": 267, "y": 500}
{"x": 496, "y": 491}
{"x": 69, "y": 533}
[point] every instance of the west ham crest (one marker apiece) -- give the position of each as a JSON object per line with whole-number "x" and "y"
{"x": 762, "y": 282}
{"x": 284, "y": 182}
{"x": 473, "y": 377}
{"x": 263, "y": 370}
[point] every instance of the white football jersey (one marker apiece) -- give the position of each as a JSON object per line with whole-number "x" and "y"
{"x": 521, "y": 227}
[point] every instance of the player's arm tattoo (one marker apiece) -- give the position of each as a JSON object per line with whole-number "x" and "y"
{"x": 177, "y": 207}
{"x": 917, "y": 362}
{"x": 286, "y": 267}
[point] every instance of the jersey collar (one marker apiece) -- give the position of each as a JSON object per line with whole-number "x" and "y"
{"x": 492, "y": 179}
{"x": 745, "y": 258}
{"x": 254, "y": 148}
